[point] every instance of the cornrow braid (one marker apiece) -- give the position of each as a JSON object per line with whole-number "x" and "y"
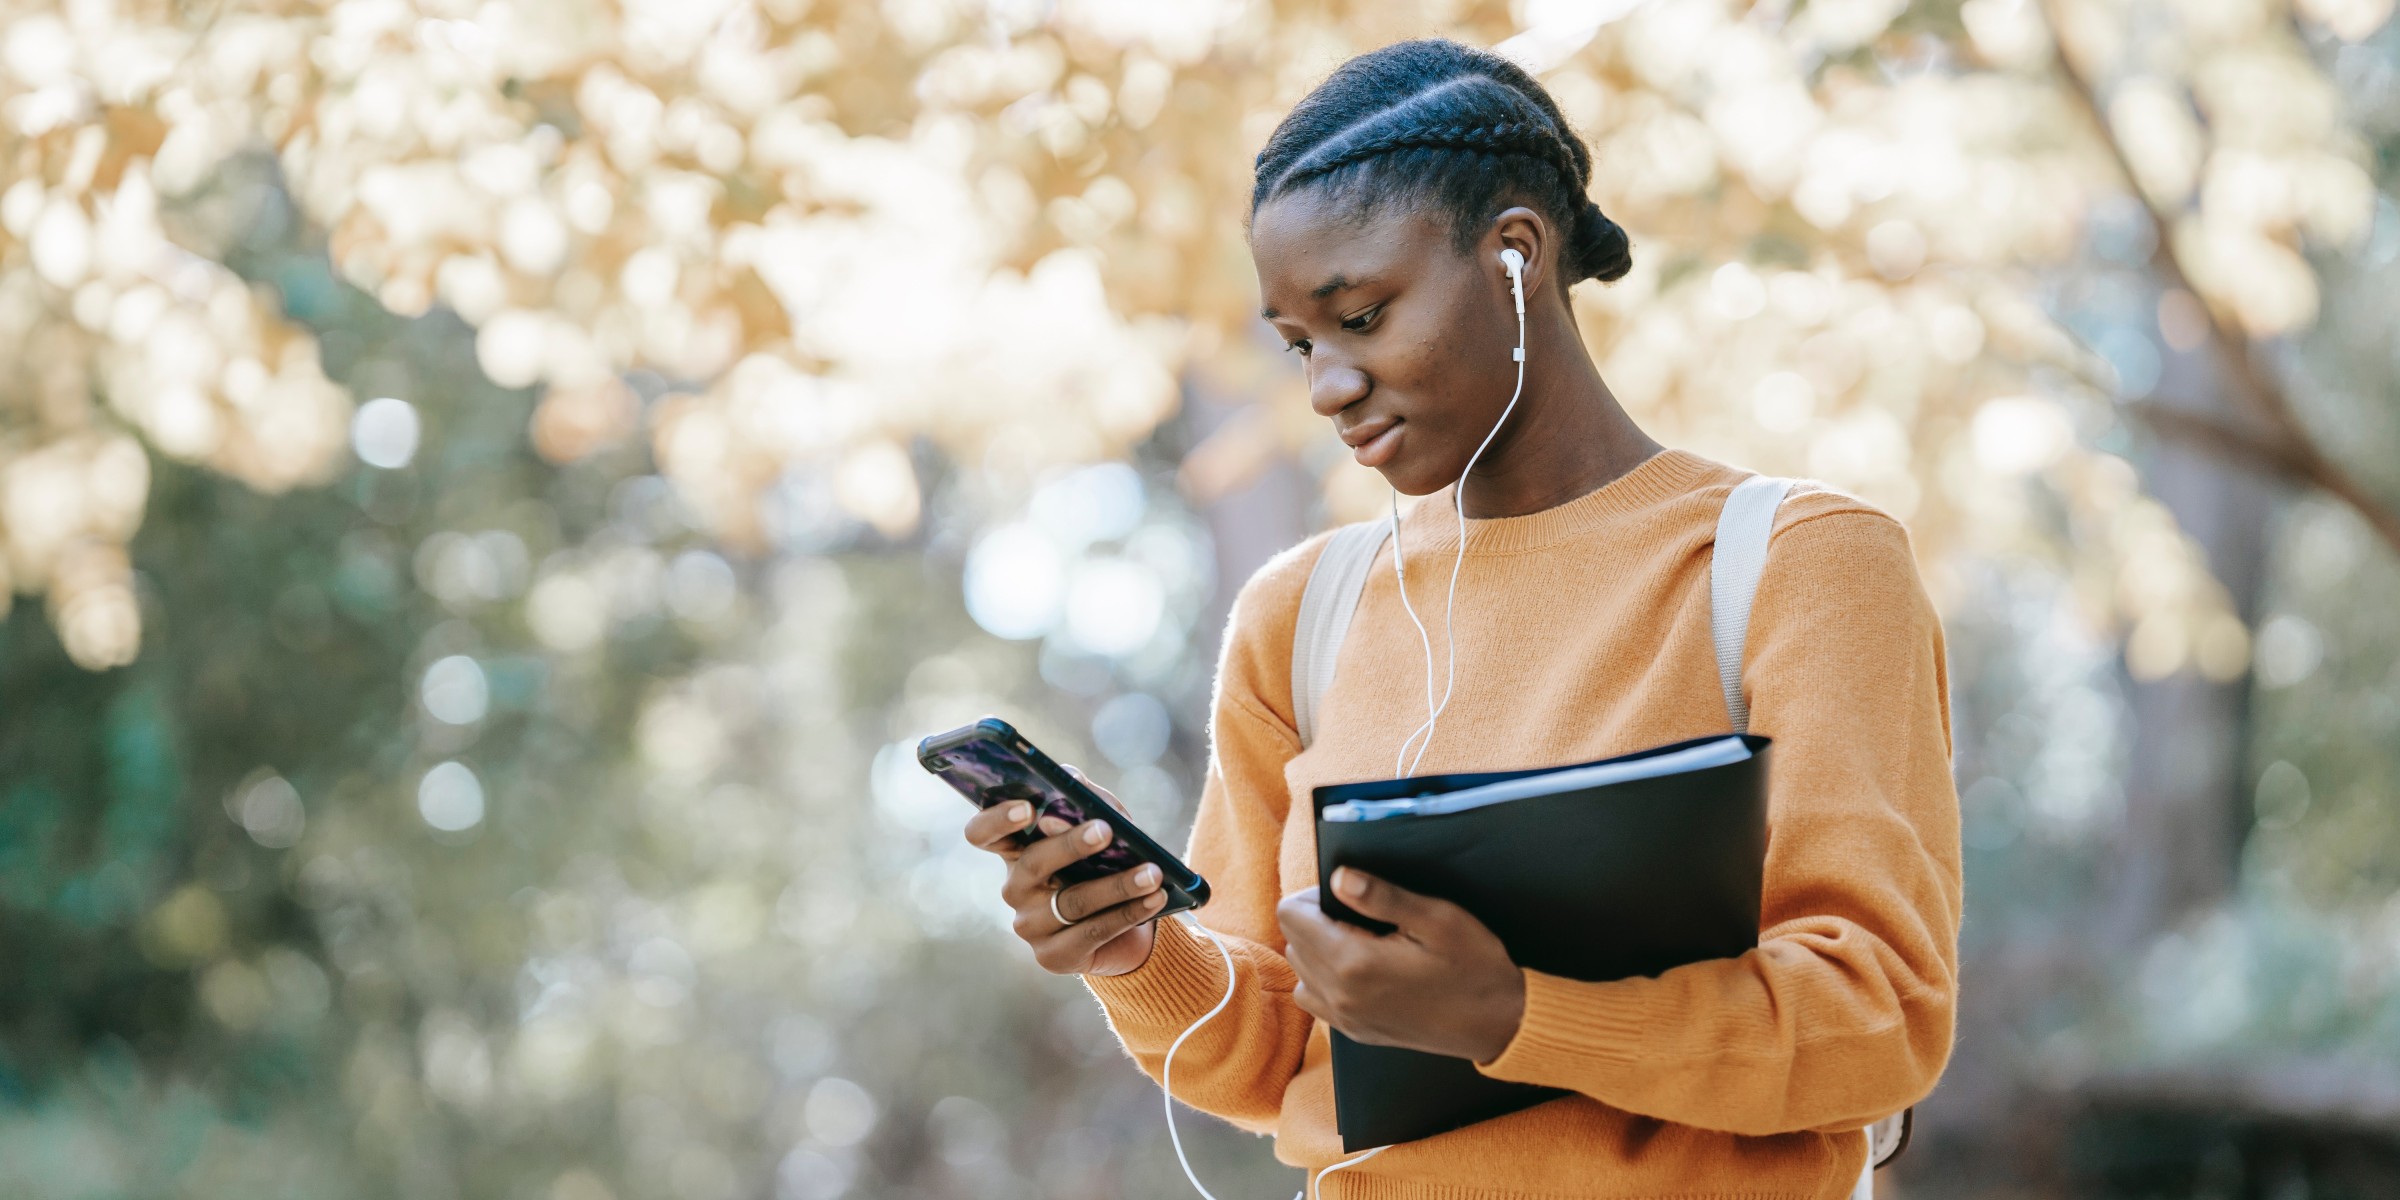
{"x": 1464, "y": 131}
{"x": 1504, "y": 137}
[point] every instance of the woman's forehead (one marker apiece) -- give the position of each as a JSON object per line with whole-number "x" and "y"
{"x": 1306, "y": 246}
{"x": 1317, "y": 215}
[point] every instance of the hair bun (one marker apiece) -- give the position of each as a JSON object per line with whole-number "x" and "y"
{"x": 1600, "y": 249}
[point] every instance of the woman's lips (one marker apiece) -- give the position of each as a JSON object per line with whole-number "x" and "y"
{"x": 1378, "y": 450}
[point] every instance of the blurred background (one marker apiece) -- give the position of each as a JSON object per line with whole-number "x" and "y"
{"x": 492, "y": 493}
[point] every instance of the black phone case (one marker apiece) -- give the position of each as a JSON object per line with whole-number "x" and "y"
{"x": 994, "y": 737}
{"x": 1613, "y": 882}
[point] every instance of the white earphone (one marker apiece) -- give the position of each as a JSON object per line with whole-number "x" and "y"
{"x": 1514, "y": 261}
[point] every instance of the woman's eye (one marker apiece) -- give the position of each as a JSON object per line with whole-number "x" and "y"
{"x": 1362, "y": 320}
{"x": 1301, "y": 346}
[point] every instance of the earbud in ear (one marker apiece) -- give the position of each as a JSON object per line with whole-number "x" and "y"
{"x": 1515, "y": 262}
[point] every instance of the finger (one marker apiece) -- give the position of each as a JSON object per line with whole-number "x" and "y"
{"x": 1326, "y": 949}
{"x": 1387, "y": 901}
{"x": 990, "y": 829}
{"x": 1083, "y": 899}
{"x": 1044, "y": 858}
{"x": 1077, "y": 941}
{"x": 1307, "y": 931}
{"x": 1086, "y": 781}
{"x": 1301, "y": 912}
{"x": 1311, "y": 1003}
{"x": 1053, "y": 826}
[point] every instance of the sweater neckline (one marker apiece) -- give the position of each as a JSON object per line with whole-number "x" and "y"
{"x": 1433, "y": 525}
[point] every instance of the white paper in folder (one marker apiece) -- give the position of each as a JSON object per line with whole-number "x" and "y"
{"x": 1724, "y": 750}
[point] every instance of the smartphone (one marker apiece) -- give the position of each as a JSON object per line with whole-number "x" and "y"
{"x": 990, "y": 763}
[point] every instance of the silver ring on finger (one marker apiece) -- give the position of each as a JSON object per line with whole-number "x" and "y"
{"x": 1063, "y": 922}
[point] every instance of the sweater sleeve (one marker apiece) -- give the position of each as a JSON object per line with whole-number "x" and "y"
{"x": 1238, "y": 1065}
{"x": 1844, "y": 1012}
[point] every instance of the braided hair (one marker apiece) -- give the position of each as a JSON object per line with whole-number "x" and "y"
{"x": 1462, "y": 130}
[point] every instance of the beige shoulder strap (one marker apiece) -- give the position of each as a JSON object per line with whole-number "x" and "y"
{"x": 1326, "y": 605}
{"x": 1743, "y": 527}
{"x": 1740, "y": 555}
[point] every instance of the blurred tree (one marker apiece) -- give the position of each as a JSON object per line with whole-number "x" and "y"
{"x": 507, "y": 819}
{"x": 991, "y": 229}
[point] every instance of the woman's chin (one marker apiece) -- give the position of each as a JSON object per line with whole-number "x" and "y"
{"x": 1412, "y": 467}
{"x": 1409, "y": 478}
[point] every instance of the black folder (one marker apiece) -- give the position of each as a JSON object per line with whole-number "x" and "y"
{"x": 1599, "y": 883}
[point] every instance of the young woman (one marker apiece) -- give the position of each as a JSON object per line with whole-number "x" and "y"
{"x": 1382, "y": 208}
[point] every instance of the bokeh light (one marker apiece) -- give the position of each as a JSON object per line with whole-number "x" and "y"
{"x": 454, "y": 690}
{"x": 384, "y": 433}
{"x": 1015, "y": 582}
{"x": 450, "y": 797}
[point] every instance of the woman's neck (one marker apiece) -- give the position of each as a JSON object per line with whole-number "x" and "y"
{"x": 1569, "y": 436}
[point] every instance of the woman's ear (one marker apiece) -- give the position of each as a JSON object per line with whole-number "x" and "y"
{"x": 1523, "y": 230}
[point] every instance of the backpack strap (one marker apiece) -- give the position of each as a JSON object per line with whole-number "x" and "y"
{"x": 1733, "y": 570}
{"x": 1734, "y": 567}
{"x": 1326, "y": 605}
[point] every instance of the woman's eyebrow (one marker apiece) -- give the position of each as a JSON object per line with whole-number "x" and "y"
{"x": 1339, "y": 283}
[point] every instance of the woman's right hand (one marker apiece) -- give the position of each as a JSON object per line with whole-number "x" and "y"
{"x": 1109, "y": 919}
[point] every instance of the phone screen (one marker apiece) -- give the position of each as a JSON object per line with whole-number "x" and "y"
{"x": 990, "y": 772}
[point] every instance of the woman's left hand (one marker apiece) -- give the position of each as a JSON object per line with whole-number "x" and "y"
{"x": 1440, "y": 983}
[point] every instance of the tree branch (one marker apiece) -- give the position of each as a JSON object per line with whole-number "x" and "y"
{"x": 2293, "y": 452}
{"x": 2242, "y": 445}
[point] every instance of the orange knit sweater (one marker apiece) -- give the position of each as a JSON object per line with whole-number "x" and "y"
{"x": 1584, "y": 632}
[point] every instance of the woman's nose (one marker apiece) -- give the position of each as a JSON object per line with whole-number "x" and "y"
{"x": 1333, "y": 387}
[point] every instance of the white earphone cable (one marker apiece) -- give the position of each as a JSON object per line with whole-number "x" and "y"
{"x": 1450, "y": 606}
{"x": 1166, "y": 1074}
{"x": 1166, "y": 1080}
{"x": 1400, "y": 572}
{"x": 1347, "y": 1162}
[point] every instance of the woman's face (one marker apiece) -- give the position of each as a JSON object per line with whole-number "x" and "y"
{"x": 1407, "y": 341}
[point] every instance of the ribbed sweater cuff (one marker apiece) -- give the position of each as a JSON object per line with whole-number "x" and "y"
{"x": 1182, "y": 978}
{"x": 1569, "y": 1029}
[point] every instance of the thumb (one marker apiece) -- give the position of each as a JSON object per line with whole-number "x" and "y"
{"x": 1383, "y": 900}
